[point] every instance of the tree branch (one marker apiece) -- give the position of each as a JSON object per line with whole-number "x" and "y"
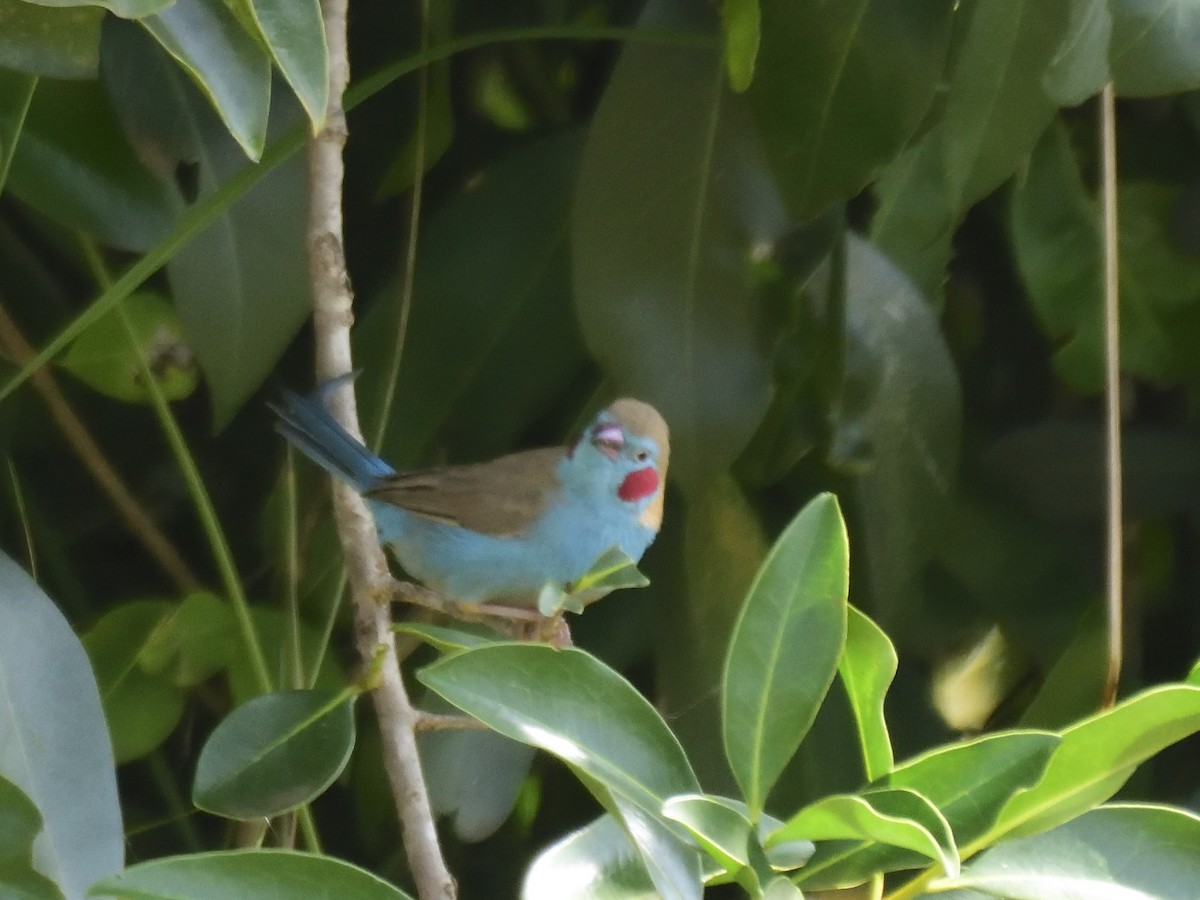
{"x": 370, "y": 583}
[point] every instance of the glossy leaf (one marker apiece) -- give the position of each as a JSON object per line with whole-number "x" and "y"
{"x": 673, "y": 207}
{"x": 1118, "y": 851}
{"x": 722, "y": 830}
{"x": 969, "y": 783}
{"x": 995, "y": 110}
{"x": 294, "y": 34}
{"x": 673, "y": 865}
{"x": 573, "y": 706}
{"x": 867, "y": 667}
{"x": 785, "y": 648}
{"x": 141, "y": 707}
{"x": 274, "y": 753}
{"x": 782, "y": 889}
{"x": 899, "y": 817}
{"x": 842, "y": 87}
{"x": 226, "y": 63}
{"x": 55, "y": 43}
{"x": 1098, "y": 755}
{"x": 897, "y": 426}
{"x": 598, "y": 860}
{"x": 73, "y": 165}
{"x": 492, "y": 287}
{"x": 19, "y": 826}
{"x": 273, "y": 875}
{"x": 55, "y": 748}
{"x": 105, "y": 359}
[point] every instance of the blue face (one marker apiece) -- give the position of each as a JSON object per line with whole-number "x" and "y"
{"x": 608, "y": 462}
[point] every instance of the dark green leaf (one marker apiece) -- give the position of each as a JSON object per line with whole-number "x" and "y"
{"x": 673, "y": 209}
{"x": 842, "y": 87}
{"x": 127, "y": 9}
{"x": 275, "y": 634}
{"x": 195, "y": 640}
{"x": 867, "y": 667}
{"x": 785, "y": 648}
{"x": 56, "y": 43}
{"x": 995, "y": 110}
{"x": 73, "y": 164}
{"x": 225, "y": 62}
{"x": 897, "y": 425}
{"x": 20, "y": 823}
{"x": 1153, "y": 47}
{"x": 105, "y": 358}
{"x": 263, "y": 874}
{"x": 274, "y": 753}
{"x": 1080, "y": 67}
{"x": 462, "y": 636}
{"x": 55, "y": 747}
{"x": 1112, "y": 851}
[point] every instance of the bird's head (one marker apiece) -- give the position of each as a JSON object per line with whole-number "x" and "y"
{"x": 624, "y": 452}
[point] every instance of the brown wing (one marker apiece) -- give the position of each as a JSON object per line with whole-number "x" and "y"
{"x": 501, "y": 497}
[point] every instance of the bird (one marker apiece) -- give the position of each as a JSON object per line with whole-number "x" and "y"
{"x": 498, "y": 532}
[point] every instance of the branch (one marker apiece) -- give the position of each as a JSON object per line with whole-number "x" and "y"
{"x": 371, "y": 585}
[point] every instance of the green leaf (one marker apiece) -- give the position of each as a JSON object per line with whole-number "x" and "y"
{"x": 867, "y": 667}
{"x": 1080, "y": 67}
{"x": 141, "y": 706}
{"x": 842, "y": 87}
{"x": 225, "y": 62}
{"x": 274, "y": 753}
{"x": 724, "y": 831}
{"x": 506, "y": 231}
{"x": 267, "y": 874}
{"x": 995, "y": 110}
{"x": 127, "y": 9}
{"x": 782, "y": 889}
{"x": 896, "y": 426}
{"x": 105, "y": 360}
{"x": 1153, "y": 50}
{"x": 195, "y": 640}
{"x": 598, "y": 860}
{"x": 20, "y": 823}
{"x": 294, "y": 34}
{"x": 16, "y": 93}
{"x": 73, "y": 165}
{"x": 55, "y": 748}
{"x": 741, "y": 24}
{"x": 673, "y": 208}
{"x": 897, "y": 817}
{"x": 274, "y": 630}
{"x": 785, "y": 648}
{"x": 239, "y": 316}
{"x": 463, "y": 636}
{"x": 1057, "y": 243}
{"x": 573, "y": 706}
{"x": 1119, "y": 851}
{"x": 55, "y": 43}
{"x": 1098, "y": 755}
{"x": 968, "y": 783}
{"x": 576, "y": 708}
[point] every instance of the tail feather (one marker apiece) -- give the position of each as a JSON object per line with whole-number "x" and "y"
{"x": 308, "y": 425}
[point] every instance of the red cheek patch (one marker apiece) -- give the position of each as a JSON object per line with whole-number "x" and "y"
{"x": 639, "y": 484}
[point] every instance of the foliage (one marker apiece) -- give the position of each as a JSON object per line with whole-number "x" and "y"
{"x": 844, "y": 247}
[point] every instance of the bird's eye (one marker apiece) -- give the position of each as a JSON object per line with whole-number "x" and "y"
{"x": 642, "y": 455}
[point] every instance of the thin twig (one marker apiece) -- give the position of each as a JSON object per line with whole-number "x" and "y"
{"x": 136, "y": 519}
{"x": 366, "y": 568}
{"x": 1112, "y": 388}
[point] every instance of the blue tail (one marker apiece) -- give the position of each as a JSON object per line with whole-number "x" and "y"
{"x": 307, "y": 424}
